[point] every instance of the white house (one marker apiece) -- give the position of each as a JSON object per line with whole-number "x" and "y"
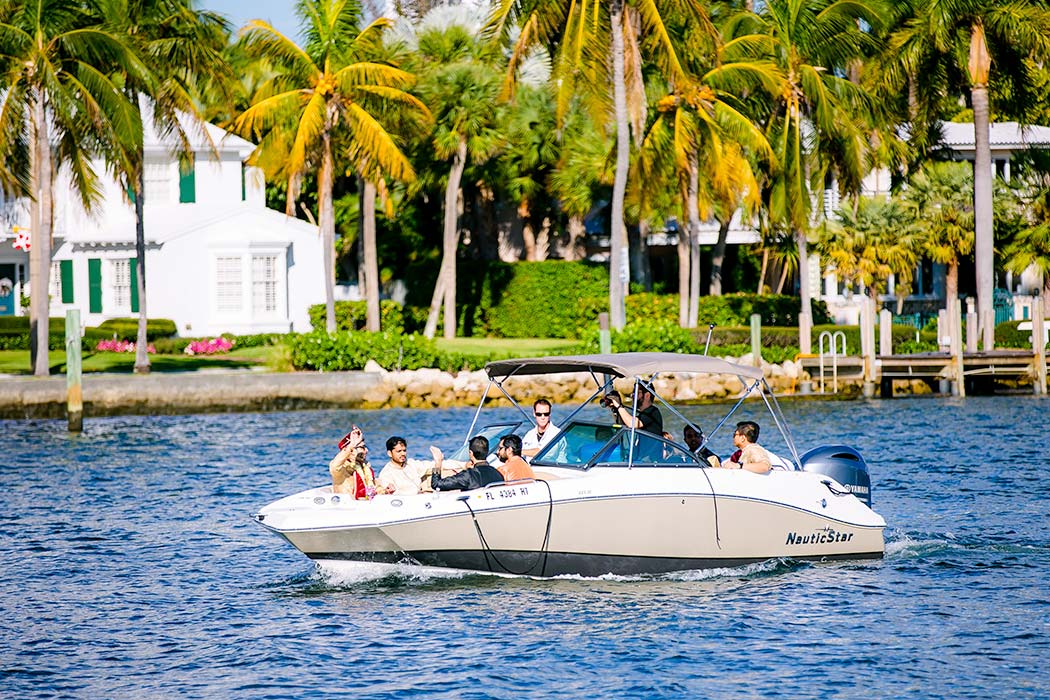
{"x": 217, "y": 259}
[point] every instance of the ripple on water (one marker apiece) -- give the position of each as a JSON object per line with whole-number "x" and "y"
{"x": 131, "y": 568}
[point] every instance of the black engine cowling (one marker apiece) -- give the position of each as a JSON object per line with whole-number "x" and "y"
{"x": 843, "y": 464}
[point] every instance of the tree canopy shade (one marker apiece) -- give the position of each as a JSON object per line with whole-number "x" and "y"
{"x": 316, "y": 90}
{"x": 60, "y": 67}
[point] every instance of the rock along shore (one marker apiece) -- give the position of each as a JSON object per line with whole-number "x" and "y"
{"x": 223, "y": 391}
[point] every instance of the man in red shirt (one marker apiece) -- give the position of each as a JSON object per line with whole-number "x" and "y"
{"x": 514, "y": 468}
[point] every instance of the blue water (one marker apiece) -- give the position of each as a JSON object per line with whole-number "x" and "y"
{"x": 130, "y": 568}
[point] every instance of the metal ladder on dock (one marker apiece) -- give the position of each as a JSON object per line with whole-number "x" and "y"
{"x": 833, "y": 341}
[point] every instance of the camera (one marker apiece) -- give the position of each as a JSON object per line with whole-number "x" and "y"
{"x": 611, "y": 400}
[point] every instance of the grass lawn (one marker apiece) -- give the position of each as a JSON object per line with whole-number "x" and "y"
{"x": 507, "y": 347}
{"x": 17, "y": 361}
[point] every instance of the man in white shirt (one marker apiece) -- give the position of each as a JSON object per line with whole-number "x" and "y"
{"x": 545, "y": 431}
{"x": 403, "y": 476}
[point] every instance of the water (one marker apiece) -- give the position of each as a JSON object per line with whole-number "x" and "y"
{"x": 129, "y": 568}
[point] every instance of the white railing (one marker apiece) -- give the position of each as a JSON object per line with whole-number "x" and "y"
{"x": 833, "y": 340}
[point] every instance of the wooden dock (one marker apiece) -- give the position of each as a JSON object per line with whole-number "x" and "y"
{"x": 979, "y": 369}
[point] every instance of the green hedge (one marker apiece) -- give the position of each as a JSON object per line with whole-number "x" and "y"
{"x": 548, "y": 299}
{"x": 177, "y": 346}
{"x": 350, "y": 350}
{"x": 1007, "y": 335}
{"x": 14, "y": 334}
{"x": 128, "y": 328}
{"x": 726, "y": 310}
{"x": 353, "y": 316}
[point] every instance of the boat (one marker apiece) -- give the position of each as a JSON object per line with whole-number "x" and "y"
{"x": 608, "y": 499}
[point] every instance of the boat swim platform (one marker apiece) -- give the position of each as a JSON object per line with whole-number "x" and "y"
{"x": 977, "y": 367}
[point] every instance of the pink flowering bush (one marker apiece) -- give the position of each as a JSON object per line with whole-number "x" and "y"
{"x": 209, "y": 347}
{"x": 120, "y": 346}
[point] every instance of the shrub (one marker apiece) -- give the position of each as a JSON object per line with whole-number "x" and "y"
{"x": 120, "y": 346}
{"x": 350, "y": 350}
{"x": 1007, "y": 335}
{"x": 548, "y": 299}
{"x": 209, "y": 347}
{"x": 128, "y": 328}
{"x": 647, "y": 306}
{"x": 659, "y": 336}
{"x": 353, "y": 316}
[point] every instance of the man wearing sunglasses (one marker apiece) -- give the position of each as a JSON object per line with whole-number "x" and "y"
{"x": 545, "y": 431}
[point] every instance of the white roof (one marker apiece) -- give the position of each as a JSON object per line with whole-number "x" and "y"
{"x": 1003, "y": 135}
{"x": 201, "y": 139}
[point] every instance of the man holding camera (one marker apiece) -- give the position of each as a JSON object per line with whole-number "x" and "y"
{"x": 647, "y": 417}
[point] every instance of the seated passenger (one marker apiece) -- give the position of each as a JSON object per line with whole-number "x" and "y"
{"x": 514, "y": 468}
{"x": 749, "y": 455}
{"x": 539, "y": 437}
{"x": 403, "y": 476}
{"x": 351, "y": 473}
{"x": 694, "y": 437}
{"x": 477, "y": 474}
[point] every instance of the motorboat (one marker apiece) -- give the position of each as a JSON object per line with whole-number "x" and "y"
{"x": 607, "y": 499}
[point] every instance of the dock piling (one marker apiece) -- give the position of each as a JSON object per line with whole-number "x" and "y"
{"x": 756, "y": 339}
{"x": 74, "y": 391}
{"x": 1038, "y": 344}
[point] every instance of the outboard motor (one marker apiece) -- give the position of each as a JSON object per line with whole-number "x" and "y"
{"x": 843, "y": 464}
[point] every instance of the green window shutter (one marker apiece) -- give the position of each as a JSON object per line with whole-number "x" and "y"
{"x": 67, "y": 281}
{"x": 95, "y": 285}
{"x": 244, "y": 184}
{"x": 134, "y": 285}
{"x": 187, "y": 182}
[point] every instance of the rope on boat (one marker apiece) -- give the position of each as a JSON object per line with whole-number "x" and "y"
{"x": 542, "y": 554}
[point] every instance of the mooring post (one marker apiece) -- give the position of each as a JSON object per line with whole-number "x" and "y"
{"x": 604, "y": 339}
{"x": 867, "y": 345}
{"x": 74, "y": 392}
{"x": 955, "y": 327}
{"x": 756, "y": 339}
{"x": 1039, "y": 344}
{"x": 971, "y": 325}
{"x": 885, "y": 348}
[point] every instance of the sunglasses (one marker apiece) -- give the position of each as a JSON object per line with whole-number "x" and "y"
{"x": 542, "y": 415}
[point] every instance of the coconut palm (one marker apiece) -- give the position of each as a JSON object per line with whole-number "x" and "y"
{"x": 57, "y": 69}
{"x": 461, "y": 89}
{"x": 317, "y": 90}
{"x": 988, "y": 41}
{"x": 942, "y": 194}
{"x": 178, "y": 44}
{"x": 1028, "y": 202}
{"x": 600, "y": 44}
{"x": 811, "y": 42}
{"x": 581, "y": 173}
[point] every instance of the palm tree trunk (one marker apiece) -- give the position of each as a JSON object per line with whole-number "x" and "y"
{"x": 446, "y": 283}
{"x": 762, "y": 272}
{"x": 719, "y": 256}
{"x": 618, "y": 233}
{"x": 979, "y": 66}
{"x": 574, "y": 245}
{"x": 40, "y": 251}
{"x": 327, "y": 225}
{"x": 683, "y": 273}
{"x": 543, "y": 239}
{"x": 528, "y": 235}
{"x": 783, "y": 279}
{"x": 805, "y": 315}
{"x": 951, "y": 282}
{"x": 368, "y": 236}
{"x": 693, "y": 207}
{"x": 142, "y": 364}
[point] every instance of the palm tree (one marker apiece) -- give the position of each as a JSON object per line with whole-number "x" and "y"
{"x": 57, "y": 68}
{"x": 1028, "y": 204}
{"x": 811, "y": 42}
{"x": 988, "y": 41}
{"x": 594, "y": 39}
{"x": 462, "y": 90}
{"x": 316, "y": 91}
{"x": 942, "y": 194}
{"x": 179, "y": 44}
{"x": 581, "y": 173}
{"x": 872, "y": 241}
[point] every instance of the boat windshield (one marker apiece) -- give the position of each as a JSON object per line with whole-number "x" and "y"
{"x": 582, "y": 445}
{"x": 493, "y": 432}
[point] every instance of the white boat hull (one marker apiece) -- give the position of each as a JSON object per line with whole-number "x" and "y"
{"x": 586, "y": 523}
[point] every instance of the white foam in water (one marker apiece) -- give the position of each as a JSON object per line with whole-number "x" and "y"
{"x": 348, "y": 573}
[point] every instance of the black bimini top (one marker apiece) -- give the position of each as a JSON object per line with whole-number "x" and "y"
{"x": 623, "y": 364}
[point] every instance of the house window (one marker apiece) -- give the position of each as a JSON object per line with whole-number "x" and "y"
{"x": 264, "y": 284}
{"x": 157, "y": 182}
{"x": 228, "y": 284}
{"x": 120, "y": 283}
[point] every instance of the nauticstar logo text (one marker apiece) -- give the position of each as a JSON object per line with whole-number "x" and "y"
{"x": 822, "y": 536}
